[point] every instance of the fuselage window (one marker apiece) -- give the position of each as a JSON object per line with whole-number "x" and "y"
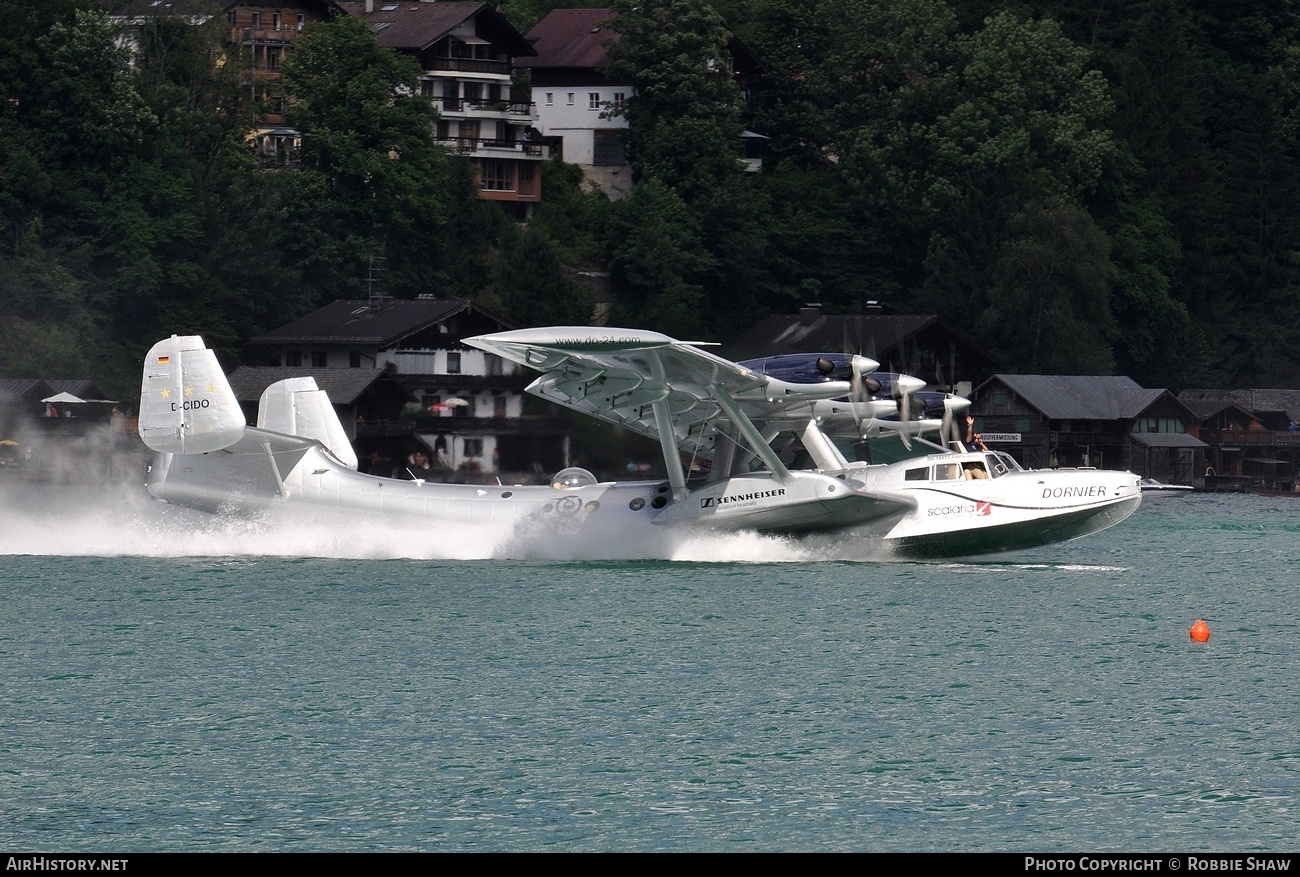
{"x": 948, "y": 472}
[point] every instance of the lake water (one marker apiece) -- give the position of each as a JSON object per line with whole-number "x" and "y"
{"x": 174, "y": 682}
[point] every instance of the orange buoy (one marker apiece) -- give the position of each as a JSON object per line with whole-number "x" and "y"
{"x": 1200, "y": 631}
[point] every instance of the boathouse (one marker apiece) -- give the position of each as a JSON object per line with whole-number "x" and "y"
{"x": 1105, "y": 422}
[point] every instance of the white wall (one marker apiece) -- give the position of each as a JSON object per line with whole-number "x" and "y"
{"x": 575, "y": 122}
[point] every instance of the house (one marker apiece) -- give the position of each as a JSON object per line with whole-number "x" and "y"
{"x": 920, "y": 345}
{"x": 414, "y": 385}
{"x": 1086, "y": 420}
{"x": 65, "y": 431}
{"x": 574, "y": 98}
{"x": 262, "y": 35}
{"x": 27, "y": 399}
{"x": 359, "y": 396}
{"x": 1251, "y": 434}
{"x": 467, "y": 52}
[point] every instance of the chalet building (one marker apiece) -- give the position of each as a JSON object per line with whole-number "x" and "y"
{"x": 458, "y": 406}
{"x": 467, "y": 52}
{"x": 1103, "y": 422}
{"x": 920, "y": 345}
{"x": 573, "y": 97}
{"x": 1252, "y": 436}
{"x": 262, "y": 35}
{"x": 359, "y": 396}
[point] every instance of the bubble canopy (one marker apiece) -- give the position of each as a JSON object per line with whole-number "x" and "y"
{"x": 574, "y": 476}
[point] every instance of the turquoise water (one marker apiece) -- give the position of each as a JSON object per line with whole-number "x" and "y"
{"x": 171, "y": 682}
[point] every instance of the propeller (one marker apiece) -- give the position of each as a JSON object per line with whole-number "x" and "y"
{"x": 904, "y": 387}
{"x": 952, "y": 406}
{"x": 861, "y": 384}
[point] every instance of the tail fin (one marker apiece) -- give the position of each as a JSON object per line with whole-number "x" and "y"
{"x": 297, "y": 407}
{"x": 186, "y": 404}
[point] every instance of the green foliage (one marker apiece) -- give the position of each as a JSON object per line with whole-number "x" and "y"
{"x": 657, "y": 260}
{"x": 375, "y": 182}
{"x": 1080, "y": 187}
{"x": 535, "y": 288}
{"x": 1049, "y": 300}
{"x": 683, "y": 115}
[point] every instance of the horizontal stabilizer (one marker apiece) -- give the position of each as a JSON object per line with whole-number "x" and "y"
{"x": 296, "y": 406}
{"x": 186, "y": 404}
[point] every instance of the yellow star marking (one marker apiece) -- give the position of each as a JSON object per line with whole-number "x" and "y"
{"x": 166, "y": 393}
{"x": 189, "y": 391}
{"x": 212, "y": 388}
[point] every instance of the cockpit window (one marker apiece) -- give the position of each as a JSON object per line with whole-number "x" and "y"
{"x": 1001, "y": 464}
{"x": 921, "y": 474}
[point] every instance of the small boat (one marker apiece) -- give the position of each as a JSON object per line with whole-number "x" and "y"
{"x": 1152, "y": 487}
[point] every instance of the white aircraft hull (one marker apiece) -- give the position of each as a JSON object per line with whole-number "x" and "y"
{"x": 749, "y": 425}
{"x": 1018, "y": 510}
{"x": 239, "y": 478}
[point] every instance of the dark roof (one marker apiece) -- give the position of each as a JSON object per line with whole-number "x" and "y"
{"x": 37, "y": 388}
{"x": 158, "y": 8}
{"x": 24, "y": 389}
{"x": 343, "y": 385}
{"x": 873, "y": 335}
{"x": 85, "y": 389}
{"x": 418, "y": 25}
{"x": 1082, "y": 397}
{"x": 1256, "y": 400}
{"x": 1167, "y": 440}
{"x": 1207, "y": 408}
{"x": 354, "y": 321}
{"x": 571, "y": 38}
{"x": 577, "y": 38}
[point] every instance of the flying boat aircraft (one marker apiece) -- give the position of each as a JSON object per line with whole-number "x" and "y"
{"x": 775, "y": 436}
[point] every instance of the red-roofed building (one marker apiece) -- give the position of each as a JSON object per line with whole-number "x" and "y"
{"x": 573, "y": 98}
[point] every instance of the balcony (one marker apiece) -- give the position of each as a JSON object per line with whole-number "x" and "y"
{"x": 1253, "y": 438}
{"x": 482, "y": 147}
{"x": 1083, "y": 439}
{"x": 269, "y": 36}
{"x": 453, "y": 107}
{"x": 471, "y": 65}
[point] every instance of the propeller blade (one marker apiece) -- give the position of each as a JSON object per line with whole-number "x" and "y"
{"x": 904, "y": 387}
{"x": 863, "y": 385}
{"x": 951, "y": 433}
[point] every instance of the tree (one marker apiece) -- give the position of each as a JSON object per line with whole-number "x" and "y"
{"x": 533, "y": 285}
{"x": 656, "y": 262}
{"x": 1049, "y": 303}
{"x": 373, "y": 181}
{"x": 683, "y": 121}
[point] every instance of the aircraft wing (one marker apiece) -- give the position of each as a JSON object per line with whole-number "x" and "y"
{"x": 663, "y": 388}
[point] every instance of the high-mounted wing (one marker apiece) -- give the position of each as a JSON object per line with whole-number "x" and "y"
{"x": 669, "y": 390}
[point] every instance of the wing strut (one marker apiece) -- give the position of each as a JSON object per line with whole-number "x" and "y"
{"x": 668, "y": 441}
{"x": 751, "y": 433}
{"x": 823, "y": 451}
{"x": 275, "y": 470}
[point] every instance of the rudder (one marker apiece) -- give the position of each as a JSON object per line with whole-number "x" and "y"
{"x": 186, "y": 404}
{"x": 296, "y": 406}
